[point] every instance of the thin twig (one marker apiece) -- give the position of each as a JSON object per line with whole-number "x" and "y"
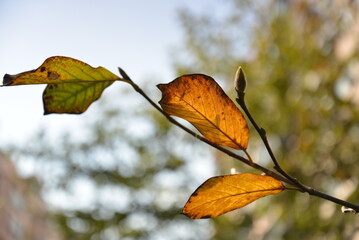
{"x": 293, "y": 181}
{"x": 263, "y": 135}
{"x": 283, "y": 176}
{"x": 220, "y": 148}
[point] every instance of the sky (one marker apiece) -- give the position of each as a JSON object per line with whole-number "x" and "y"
{"x": 136, "y": 35}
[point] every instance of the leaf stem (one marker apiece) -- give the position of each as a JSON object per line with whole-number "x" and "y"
{"x": 249, "y": 157}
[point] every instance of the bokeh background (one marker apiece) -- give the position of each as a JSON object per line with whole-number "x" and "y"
{"x": 121, "y": 171}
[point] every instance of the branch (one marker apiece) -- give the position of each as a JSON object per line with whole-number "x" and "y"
{"x": 222, "y": 149}
{"x": 283, "y": 176}
{"x": 262, "y": 133}
{"x": 240, "y": 84}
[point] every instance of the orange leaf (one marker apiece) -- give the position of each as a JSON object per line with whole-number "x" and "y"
{"x": 219, "y": 195}
{"x": 201, "y": 101}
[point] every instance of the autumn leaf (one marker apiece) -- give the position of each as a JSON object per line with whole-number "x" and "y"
{"x": 72, "y": 85}
{"x": 201, "y": 101}
{"x": 76, "y": 98}
{"x": 219, "y": 195}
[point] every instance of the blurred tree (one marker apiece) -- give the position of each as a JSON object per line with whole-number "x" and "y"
{"x": 125, "y": 174}
{"x": 301, "y": 60}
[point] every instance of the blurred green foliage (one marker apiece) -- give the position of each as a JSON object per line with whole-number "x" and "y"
{"x": 302, "y": 66}
{"x": 137, "y": 167}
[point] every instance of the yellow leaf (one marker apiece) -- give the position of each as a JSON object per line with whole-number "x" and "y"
{"x": 72, "y": 85}
{"x": 201, "y": 101}
{"x": 219, "y": 195}
{"x": 60, "y": 69}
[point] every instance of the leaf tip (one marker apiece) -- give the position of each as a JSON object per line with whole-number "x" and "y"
{"x": 196, "y": 216}
{"x": 46, "y": 112}
{"x": 188, "y": 214}
{"x": 161, "y": 87}
{"x": 7, "y": 79}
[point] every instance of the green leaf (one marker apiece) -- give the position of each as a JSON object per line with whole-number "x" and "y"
{"x": 76, "y": 98}
{"x": 72, "y": 85}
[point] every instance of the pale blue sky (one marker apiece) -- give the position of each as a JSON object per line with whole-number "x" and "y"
{"x": 136, "y": 35}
